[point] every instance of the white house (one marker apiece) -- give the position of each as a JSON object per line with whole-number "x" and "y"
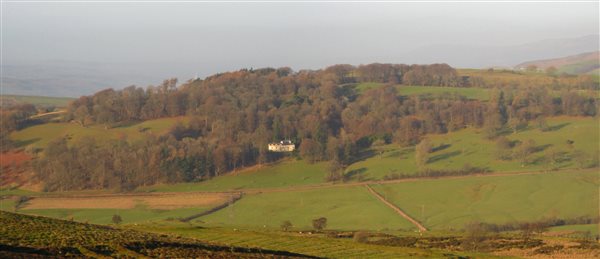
{"x": 282, "y": 146}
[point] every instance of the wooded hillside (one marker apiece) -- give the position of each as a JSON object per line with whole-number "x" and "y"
{"x": 234, "y": 115}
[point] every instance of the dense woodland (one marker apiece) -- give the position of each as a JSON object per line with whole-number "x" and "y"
{"x": 13, "y": 118}
{"x": 234, "y": 115}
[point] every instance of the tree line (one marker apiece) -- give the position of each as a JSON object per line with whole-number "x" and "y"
{"x": 13, "y": 118}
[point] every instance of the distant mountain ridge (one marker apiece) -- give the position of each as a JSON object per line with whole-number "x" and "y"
{"x": 75, "y": 78}
{"x": 485, "y": 56}
{"x": 583, "y": 63}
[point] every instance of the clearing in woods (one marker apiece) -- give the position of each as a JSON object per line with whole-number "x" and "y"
{"x": 39, "y": 136}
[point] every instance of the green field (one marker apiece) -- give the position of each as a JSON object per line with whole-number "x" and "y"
{"x": 40, "y": 135}
{"x": 7, "y": 204}
{"x": 451, "y": 203}
{"x": 456, "y": 149}
{"x": 104, "y": 216}
{"x": 286, "y": 173}
{"x": 470, "y": 93}
{"x": 578, "y": 68}
{"x": 344, "y": 207}
{"x": 469, "y": 146}
{"x": 405, "y": 90}
{"x": 39, "y": 100}
{"x": 583, "y": 228}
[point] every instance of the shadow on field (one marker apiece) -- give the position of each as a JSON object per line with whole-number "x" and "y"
{"x": 558, "y": 126}
{"x": 126, "y": 124}
{"x": 541, "y": 148}
{"x": 355, "y": 173}
{"x": 22, "y": 143}
{"x": 440, "y": 147}
{"x": 364, "y": 155}
{"x": 443, "y": 156}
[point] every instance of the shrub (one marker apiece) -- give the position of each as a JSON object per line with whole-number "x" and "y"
{"x": 286, "y": 225}
{"x": 361, "y": 237}
{"x": 116, "y": 219}
{"x": 320, "y": 223}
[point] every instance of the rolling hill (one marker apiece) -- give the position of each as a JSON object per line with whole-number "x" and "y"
{"x": 585, "y": 63}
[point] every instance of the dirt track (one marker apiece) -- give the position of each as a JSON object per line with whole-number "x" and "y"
{"x": 396, "y": 209}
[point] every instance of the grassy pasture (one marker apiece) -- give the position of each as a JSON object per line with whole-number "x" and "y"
{"x": 132, "y": 208}
{"x": 581, "y": 67}
{"x": 346, "y": 208}
{"x": 469, "y": 146}
{"x": 577, "y": 229}
{"x": 7, "y": 204}
{"x": 282, "y": 174}
{"x": 454, "y": 150}
{"x": 470, "y": 93}
{"x": 406, "y": 90}
{"x": 503, "y": 75}
{"x": 40, "y": 135}
{"x": 451, "y": 203}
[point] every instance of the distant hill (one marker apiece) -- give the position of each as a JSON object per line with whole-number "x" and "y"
{"x": 584, "y": 63}
{"x": 75, "y": 78}
{"x": 483, "y": 56}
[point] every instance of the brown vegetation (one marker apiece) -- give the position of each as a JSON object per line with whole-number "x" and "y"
{"x": 154, "y": 201}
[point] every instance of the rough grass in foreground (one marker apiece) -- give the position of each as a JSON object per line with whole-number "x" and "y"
{"x": 309, "y": 244}
{"x": 27, "y": 236}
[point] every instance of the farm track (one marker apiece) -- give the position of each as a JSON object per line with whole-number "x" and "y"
{"x": 396, "y": 209}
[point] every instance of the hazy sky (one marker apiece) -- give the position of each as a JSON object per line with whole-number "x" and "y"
{"x": 212, "y": 37}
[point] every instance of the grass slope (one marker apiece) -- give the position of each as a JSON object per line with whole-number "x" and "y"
{"x": 469, "y": 146}
{"x": 40, "y": 135}
{"x": 345, "y": 208}
{"x": 406, "y": 90}
{"x": 451, "y": 203}
{"x": 283, "y": 174}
